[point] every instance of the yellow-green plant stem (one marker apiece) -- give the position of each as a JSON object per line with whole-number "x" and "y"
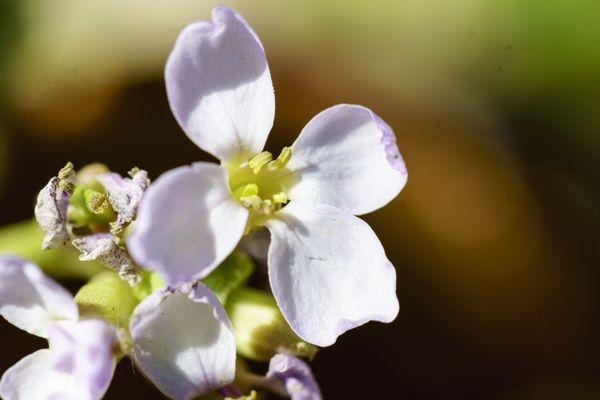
{"x": 25, "y": 239}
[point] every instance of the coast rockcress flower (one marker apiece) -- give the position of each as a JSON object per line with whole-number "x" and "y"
{"x": 327, "y": 268}
{"x": 80, "y": 360}
{"x": 180, "y": 337}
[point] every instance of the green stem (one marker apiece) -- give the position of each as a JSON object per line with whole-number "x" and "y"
{"x": 25, "y": 239}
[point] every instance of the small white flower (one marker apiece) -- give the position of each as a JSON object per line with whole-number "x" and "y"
{"x": 327, "y": 268}
{"x": 79, "y": 362}
{"x": 181, "y": 339}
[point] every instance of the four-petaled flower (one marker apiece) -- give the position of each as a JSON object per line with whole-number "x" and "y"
{"x": 327, "y": 268}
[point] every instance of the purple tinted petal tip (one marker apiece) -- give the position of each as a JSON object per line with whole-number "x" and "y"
{"x": 388, "y": 141}
{"x": 296, "y": 376}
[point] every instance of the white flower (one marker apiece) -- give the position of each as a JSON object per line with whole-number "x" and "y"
{"x": 79, "y": 363}
{"x": 181, "y": 339}
{"x": 327, "y": 268}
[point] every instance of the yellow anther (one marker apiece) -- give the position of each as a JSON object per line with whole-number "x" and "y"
{"x": 282, "y": 159}
{"x": 260, "y": 160}
{"x": 64, "y": 175}
{"x": 280, "y": 198}
{"x": 67, "y": 171}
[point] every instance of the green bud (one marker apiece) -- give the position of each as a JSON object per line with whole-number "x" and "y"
{"x": 150, "y": 282}
{"x": 231, "y": 274}
{"x": 107, "y": 296}
{"x": 260, "y": 329}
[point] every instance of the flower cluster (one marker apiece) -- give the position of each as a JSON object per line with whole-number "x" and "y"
{"x": 175, "y": 297}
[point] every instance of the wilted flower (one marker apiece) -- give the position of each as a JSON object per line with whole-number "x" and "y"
{"x": 327, "y": 268}
{"x": 81, "y": 207}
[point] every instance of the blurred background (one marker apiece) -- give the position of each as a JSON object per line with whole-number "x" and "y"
{"x": 496, "y": 107}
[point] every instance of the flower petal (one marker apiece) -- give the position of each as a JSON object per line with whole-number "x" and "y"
{"x": 51, "y": 214}
{"x": 104, "y": 248}
{"x": 84, "y": 350}
{"x": 188, "y": 222}
{"x": 34, "y": 377}
{"x": 183, "y": 341}
{"x": 347, "y": 157}
{"x": 219, "y": 86}
{"x": 29, "y": 299}
{"x": 328, "y": 272}
{"x": 124, "y": 195}
{"x": 295, "y": 375}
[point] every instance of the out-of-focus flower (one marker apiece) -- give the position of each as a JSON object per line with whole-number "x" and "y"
{"x": 260, "y": 329}
{"x": 327, "y": 268}
{"x": 295, "y": 376}
{"x": 80, "y": 361}
{"x": 287, "y": 376}
{"x": 180, "y": 337}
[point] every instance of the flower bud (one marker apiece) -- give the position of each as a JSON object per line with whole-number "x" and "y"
{"x": 108, "y": 297}
{"x": 260, "y": 329}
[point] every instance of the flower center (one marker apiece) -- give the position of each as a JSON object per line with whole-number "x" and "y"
{"x": 260, "y": 184}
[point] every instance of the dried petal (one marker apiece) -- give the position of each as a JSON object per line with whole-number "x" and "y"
{"x": 51, "y": 214}
{"x": 124, "y": 195}
{"x": 104, "y": 248}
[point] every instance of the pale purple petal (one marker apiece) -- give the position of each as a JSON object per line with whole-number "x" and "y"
{"x": 346, "y": 157}
{"x": 35, "y": 378}
{"x": 328, "y": 272}
{"x": 188, "y": 223}
{"x": 183, "y": 341}
{"x": 85, "y": 350}
{"x": 219, "y": 86}
{"x": 296, "y": 377}
{"x": 29, "y": 299}
{"x": 51, "y": 214}
{"x": 124, "y": 195}
{"x": 104, "y": 248}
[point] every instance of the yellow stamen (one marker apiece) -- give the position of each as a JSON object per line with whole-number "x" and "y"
{"x": 260, "y": 160}
{"x": 282, "y": 159}
{"x": 280, "y": 198}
